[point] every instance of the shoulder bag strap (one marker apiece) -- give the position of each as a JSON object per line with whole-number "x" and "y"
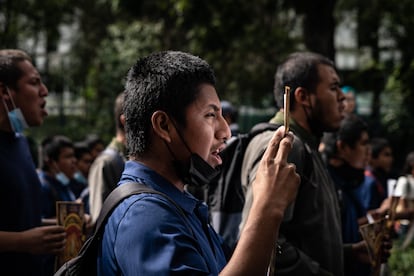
{"x": 120, "y": 193}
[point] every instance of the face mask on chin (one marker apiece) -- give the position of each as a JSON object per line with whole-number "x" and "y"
{"x": 62, "y": 178}
{"x": 17, "y": 121}
{"x": 197, "y": 173}
{"x": 78, "y": 176}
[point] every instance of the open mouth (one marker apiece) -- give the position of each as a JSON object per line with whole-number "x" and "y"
{"x": 217, "y": 156}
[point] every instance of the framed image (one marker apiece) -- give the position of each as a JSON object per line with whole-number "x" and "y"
{"x": 71, "y": 216}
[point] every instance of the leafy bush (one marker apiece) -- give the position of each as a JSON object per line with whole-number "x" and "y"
{"x": 401, "y": 261}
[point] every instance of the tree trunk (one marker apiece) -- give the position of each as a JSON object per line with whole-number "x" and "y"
{"x": 319, "y": 26}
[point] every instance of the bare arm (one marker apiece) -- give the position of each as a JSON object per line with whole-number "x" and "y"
{"x": 39, "y": 240}
{"x": 274, "y": 177}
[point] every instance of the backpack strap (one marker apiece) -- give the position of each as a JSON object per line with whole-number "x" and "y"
{"x": 259, "y": 128}
{"x": 266, "y": 126}
{"x": 110, "y": 151}
{"x": 85, "y": 262}
{"x": 263, "y": 126}
{"x": 122, "y": 192}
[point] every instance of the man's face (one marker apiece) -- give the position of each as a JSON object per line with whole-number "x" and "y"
{"x": 30, "y": 94}
{"x": 67, "y": 162}
{"x": 96, "y": 150}
{"x": 384, "y": 160}
{"x": 84, "y": 163}
{"x": 349, "y": 102}
{"x": 328, "y": 106}
{"x": 357, "y": 156}
{"x": 206, "y": 128}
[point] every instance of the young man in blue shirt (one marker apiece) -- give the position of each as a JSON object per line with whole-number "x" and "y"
{"x": 175, "y": 132}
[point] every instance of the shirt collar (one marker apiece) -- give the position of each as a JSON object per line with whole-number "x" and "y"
{"x": 138, "y": 172}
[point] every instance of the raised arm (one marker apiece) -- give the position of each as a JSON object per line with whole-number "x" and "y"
{"x": 274, "y": 177}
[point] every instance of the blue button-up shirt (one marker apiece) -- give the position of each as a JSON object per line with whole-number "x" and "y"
{"x": 147, "y": 235}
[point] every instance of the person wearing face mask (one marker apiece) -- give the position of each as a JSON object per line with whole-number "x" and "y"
{"x": 58, "y": 166}
{"x": 23, "y": 239}
{"x": 175, "y": 132}
{"x": 348, "y": 153}
{"x": 83, "y": 163}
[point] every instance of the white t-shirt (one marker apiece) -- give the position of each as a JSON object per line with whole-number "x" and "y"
{"x": 405, "y": 187}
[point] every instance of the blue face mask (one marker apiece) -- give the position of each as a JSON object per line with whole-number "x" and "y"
{"x": 17, "y": 121}
{"x": 62, "y": 178}
{"x": 78, "y": 176}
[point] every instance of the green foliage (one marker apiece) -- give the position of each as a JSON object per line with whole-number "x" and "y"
{"x": 243, "y": 40}
{"x": 393, "y": 99}
{"x": 116, "y": 53}
{"x": 73, "y": 127}
{"x": 245, "y": 47}
{"x": 401, "y": 262}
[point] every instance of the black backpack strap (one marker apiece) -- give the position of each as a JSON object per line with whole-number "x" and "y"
{"x": 259, "y": 128}
{"x": 85, "y": 262}
{"x": 263, "y": 126}
{"x": 120, "y": 193}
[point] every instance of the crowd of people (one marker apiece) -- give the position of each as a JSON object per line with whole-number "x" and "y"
{"x": 307, "y": 191}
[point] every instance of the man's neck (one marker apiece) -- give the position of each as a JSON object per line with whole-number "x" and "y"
{"x": 162, "y": 168}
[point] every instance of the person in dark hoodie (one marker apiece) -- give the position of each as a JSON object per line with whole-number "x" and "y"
{"x": 348, "y": 153}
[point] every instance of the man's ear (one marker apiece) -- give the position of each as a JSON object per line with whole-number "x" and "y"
{"x": 122, "y": 119}
{"x": 4, "y": 94}
{"x": 302, "y": 96}
{"x": 161, "y": 124}
{"x": 341, "y": 147}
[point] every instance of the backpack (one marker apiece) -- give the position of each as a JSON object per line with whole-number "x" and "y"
{"x": 85, "y": 262}
{"x": 225, "y": 196}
